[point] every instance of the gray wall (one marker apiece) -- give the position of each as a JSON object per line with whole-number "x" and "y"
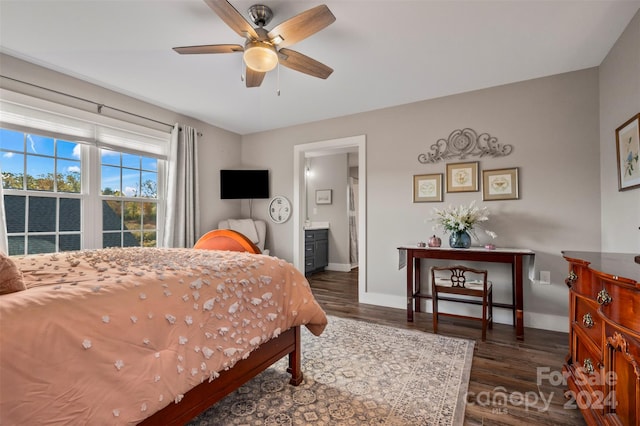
{"x": 619, "y": 101}
{"x": 551, "y": 122}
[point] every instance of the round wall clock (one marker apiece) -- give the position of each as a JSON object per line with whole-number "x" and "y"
{"x": 279, "y": 209}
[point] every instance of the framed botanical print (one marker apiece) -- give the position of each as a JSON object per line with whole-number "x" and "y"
{"x": 627, "y": 154}
{"x": 427, "y": 188}
{"x": 500, "y": 184}
{"x": 462, "y": 177}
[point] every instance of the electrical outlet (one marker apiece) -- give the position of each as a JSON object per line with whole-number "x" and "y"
{"x": 545, "y": 277}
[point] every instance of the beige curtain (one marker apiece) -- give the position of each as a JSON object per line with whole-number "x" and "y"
{"x": 182, "y": 205}
{"x": 4, "y": 243}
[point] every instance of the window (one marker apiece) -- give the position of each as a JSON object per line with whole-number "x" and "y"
{"x": 42, "y": 178}
{"x": 53, "y": 199}
{"x": 129, "y": 189}
{"x": 73, "y": 179}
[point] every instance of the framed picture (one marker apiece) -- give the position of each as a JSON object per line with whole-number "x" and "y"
{"x": 323, "y": 196}
{"x": 500, "y": 184}
{"x": 427, "y": 188}
{"x": 627, "y": 153}
{"x": 462, "y": 177}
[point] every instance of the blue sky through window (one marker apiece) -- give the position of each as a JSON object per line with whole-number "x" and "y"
{"x": 69, "y": 150}
{"x": 41, "y": 151}
{"x": 110, "y": 178}
{"x": 10, "y": 160}
{"x": 11, "y": 163}
{"x": 130, "y": 175}
{"x": 12, "y": 141}
{"x": 40, "y": 145}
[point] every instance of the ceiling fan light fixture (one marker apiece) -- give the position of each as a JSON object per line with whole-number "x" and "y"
{"x": 265, "y": 50}
{"x": 260, "y": 56}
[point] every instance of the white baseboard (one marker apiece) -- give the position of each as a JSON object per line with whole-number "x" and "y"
{"x": 501, "y": 316}
{"x": 547, "y": 321}
{"x": 339, "y": 267}
{"x": 387, "y": 300}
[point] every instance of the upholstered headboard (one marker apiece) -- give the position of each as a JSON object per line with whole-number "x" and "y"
{"x": 226, "y": 239}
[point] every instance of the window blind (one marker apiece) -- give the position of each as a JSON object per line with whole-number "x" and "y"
{"x": 26, "y": 112}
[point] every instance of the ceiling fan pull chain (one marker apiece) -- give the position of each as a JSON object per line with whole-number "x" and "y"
{"x": 278, "y": 82}
{"x": 242, "y": 69}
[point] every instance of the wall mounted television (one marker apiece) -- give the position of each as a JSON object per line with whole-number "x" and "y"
{"x": 244, "y": 184}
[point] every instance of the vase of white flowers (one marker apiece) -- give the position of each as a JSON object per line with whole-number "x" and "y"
{"x": 460, "y": 222}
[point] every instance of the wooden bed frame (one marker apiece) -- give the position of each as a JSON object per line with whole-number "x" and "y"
{"x": 203, "y": 396}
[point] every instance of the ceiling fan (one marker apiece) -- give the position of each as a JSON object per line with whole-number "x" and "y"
{"x": 263, "y": 49}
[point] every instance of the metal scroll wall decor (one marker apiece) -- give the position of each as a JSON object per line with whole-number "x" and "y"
{"x": 463, "y": 143}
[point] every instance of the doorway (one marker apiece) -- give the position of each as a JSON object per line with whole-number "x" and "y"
{"x": 335, "y": 146}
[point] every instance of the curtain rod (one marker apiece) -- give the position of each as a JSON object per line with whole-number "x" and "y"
{"x": 97, "y": 104}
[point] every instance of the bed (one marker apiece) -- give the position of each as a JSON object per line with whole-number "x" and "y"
{"x": 145, "y": 335}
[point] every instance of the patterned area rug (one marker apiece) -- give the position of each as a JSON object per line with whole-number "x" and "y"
{"x": 357, "y": 373}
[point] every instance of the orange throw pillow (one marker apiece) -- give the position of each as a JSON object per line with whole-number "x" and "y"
{"x": 10, "y": 276}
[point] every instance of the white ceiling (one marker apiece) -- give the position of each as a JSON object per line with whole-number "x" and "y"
{"x": 384, "y": 53}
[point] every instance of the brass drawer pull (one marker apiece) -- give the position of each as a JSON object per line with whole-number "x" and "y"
{"x": 571, "y": 279}
{"x": 587, "y": 320}
{"x": 588, "y": 366}
{"x": 604, "y": 298}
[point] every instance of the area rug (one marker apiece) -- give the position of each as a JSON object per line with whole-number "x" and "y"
{"x": 357, "y": 373}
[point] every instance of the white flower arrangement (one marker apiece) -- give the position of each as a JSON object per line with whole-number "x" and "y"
{"x": 461, "y": 218}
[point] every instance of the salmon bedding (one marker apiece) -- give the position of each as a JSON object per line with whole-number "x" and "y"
{"x": 111, "y": 336}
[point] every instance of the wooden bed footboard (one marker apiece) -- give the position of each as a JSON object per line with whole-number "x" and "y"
{"x": 203, "y": 396}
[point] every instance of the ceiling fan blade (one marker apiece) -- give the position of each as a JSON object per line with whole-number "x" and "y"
{"x": 232, "y": 18}
{"x": 209, "y": 48}
{"x": 301, "y": 26}
{"x": 254, "y": 78}
{"x": 299, "y": 62}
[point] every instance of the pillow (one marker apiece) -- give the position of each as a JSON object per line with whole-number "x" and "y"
{"x": 246, "y": 227}
{"x": 10, "y": 276}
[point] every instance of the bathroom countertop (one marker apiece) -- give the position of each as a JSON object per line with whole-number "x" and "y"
{"x": 317, "y": 225}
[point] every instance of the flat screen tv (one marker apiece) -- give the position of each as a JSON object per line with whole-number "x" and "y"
{"x": 235, "y": 184}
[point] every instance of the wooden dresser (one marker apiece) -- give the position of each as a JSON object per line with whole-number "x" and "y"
{"x": 603, "y": 365}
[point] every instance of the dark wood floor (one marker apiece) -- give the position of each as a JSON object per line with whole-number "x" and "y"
{"x": 508, "y": 377}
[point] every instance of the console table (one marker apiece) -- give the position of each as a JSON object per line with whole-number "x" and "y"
{"x": 511, "y": 256}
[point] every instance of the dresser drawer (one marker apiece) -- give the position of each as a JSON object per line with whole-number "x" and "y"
{"x": 587, "y": 319}
{"x": 309, "y": 249}
{"x": 583, "y": 281}
{"x": 620, "y": 303}
{"x": 588, "y": 369}
{"x": 312, "y": 235}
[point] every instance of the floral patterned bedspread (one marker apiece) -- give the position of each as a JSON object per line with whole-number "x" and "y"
{"x": 111, "y": 336}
